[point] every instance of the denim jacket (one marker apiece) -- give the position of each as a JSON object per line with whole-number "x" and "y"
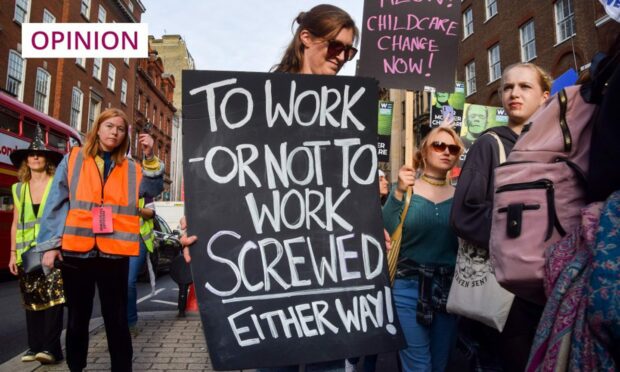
{"x": 57, "y": 206}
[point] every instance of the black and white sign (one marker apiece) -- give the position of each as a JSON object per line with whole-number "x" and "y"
{"x": 280, "y": 175}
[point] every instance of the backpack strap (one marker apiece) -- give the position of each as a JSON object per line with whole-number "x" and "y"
{"x": 568, "y": 141}
{"x": 502, "y": 150}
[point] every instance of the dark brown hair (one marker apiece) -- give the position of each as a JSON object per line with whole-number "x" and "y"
{"x": 91, "y": 146}
{"x": 323, "y": 21}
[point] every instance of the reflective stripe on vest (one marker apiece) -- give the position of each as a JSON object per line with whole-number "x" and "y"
{"x": 146, "y": 230}
{"x": 28, "y": 225}
{"x": 87, "y": 190}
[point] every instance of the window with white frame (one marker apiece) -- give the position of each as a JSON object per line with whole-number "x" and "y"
{"x": 470, "y": 78}
{"x": 468, "y": 22}
{"x": 22, "y": 11}
{"x": 495, "y": 68}
{"x": 42, "y": 90}
{"x": 15, "y": 75}
{"x": 77, "y": 99}
{"x": 124, "y": 91}
{"x": 85, "y": 8}
{"x": 564, "y": 20}
{"x": 94, "y": 108}
{"x": 528, "y": 41}
{"x": 101, "y": 15}
{"x": 81, "y": 62}
{"x": 111, "y": 76}
{"x": 48, "y": 17}
{"x": 491, "y": 8}
{"x": 130, "y": 6}
{"x": 97, "y": 68}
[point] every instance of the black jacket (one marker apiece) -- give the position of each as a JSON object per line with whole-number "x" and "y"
{"x": 473, "y": 199}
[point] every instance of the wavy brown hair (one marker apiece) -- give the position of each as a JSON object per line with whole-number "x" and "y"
{"x": 24, "y": 174}
{"x": 91, "y": 145}
{"x": 323, "y": 21}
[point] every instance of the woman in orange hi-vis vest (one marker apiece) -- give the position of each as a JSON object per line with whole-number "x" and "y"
{"x": 91, "y": 225}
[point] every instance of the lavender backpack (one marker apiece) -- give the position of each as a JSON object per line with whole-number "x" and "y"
{"x": 539, "y": 191}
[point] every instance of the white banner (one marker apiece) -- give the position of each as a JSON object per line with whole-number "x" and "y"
{"x": 85, "y": 40}
{"x": 612, "y": 7}
{"x": 8, "y": 144}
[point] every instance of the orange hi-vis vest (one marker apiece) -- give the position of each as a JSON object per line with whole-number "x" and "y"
{"x": 87, "y": 190}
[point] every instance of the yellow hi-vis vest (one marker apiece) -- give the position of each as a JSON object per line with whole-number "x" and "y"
{"x": 28, "y": 225}
{"x": 147, "y": 229}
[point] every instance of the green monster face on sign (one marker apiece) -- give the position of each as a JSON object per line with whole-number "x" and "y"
{"x": 476, "y": 120}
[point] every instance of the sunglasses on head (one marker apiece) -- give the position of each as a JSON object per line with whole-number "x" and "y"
{"x": 441, "y": 147}
{"x": 335, "y": 47}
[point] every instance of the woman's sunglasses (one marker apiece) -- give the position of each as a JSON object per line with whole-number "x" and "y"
{"x": 335, "y": 47}
{"x": 441, "y": 147}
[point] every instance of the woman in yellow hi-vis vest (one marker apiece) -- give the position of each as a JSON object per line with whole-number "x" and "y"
{"x": 91, "y": 223}
{"x": 147, "y": 238}
{"x": 42, "y": 296}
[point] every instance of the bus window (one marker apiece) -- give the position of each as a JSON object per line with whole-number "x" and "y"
{"x": 29, "y": 128}
{"x": 9, "y": 120}
{"x": 6, "y": 199}
{"x": 57, "y": 140}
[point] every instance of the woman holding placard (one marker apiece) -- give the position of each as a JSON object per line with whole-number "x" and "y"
{"x": 322, "y": 44}
{"x": 428, "y": 252}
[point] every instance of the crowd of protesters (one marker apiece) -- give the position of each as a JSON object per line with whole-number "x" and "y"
{"x": 84, "y": 215}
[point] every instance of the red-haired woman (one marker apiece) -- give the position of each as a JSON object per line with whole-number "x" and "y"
{"x": 92, "y": 224}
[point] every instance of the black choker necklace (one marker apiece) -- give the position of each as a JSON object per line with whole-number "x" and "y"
{"x": 434, "y": 178}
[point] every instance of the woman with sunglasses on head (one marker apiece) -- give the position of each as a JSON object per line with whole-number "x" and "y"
{"x": 428, "y": 252}
{"x": 42, "y": 295}
{"x": 322, "y": 44}
{"x": 524, "y": 87}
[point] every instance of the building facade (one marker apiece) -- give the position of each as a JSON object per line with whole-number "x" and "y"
{"x": 175, "y": 55}
{"x": 76, "y": 90}
{"x": 153, "y": 104}
{"x": 556, "y": 35}
{"x": 73, "y": 90}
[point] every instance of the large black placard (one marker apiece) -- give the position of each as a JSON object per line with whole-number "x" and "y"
{"x": 281, "y": 189}
{"x": 409, "y": 44}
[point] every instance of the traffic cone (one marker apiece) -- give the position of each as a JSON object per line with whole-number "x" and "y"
{"x": 192, "y": 304}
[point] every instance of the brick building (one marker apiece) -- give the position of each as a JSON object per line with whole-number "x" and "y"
{"x": 153, "y": 103}
{"x": 76, "y": 90}
{"x": 69, "y": 89}
{"x": 556, "y": 35}
{"x": 176, "y": 57}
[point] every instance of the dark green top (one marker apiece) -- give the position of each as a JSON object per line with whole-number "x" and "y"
{"x": 427, "y": 235}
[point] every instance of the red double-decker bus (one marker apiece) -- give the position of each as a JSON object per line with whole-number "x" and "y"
{"x": 17, "y": 127}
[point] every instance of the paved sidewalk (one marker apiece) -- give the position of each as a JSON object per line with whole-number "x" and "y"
{"x": 163, "y": 343}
